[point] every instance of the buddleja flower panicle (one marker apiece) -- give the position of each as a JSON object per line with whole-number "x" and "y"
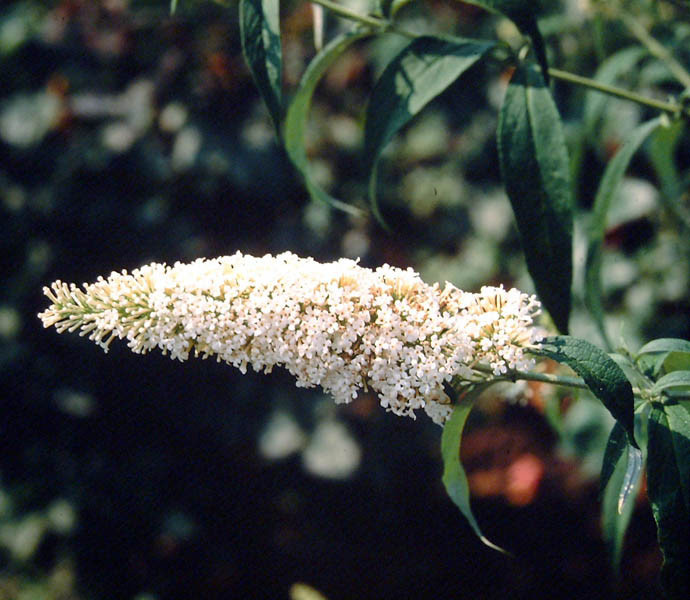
{"x": 336, "y": 325}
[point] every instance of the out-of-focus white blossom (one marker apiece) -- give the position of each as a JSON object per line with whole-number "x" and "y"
{"x": 337, "y": 325}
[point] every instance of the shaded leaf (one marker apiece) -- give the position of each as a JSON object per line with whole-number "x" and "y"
{"x": 419, "y": 73}
{"x": 298, "y": 112}
{"x": 536, "y": 172}
{"x": 620, "y": 482}
{"x": 454, "y": 478}
{"x": 607, "y": 191}
{"x": 668, "y": 487}
{"x": 602, "y": 375}
{"x": 260, "y": 36}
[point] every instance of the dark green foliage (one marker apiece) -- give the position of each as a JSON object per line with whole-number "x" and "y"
{"x": 536, "y": 171}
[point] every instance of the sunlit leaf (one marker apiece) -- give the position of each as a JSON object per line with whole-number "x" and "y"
{"x": 536, "y": 172}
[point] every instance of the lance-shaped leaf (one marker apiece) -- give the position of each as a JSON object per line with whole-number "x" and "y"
{"x": 668, "y": 487}
{"x": 606, "y": 193}
{"x": 419, "y": 73}
{"x": 298, "y": 113}
{"x": 260, "y": 36}
{"x": 620, "y": 482}
{"x": 602, "y": 375}
{"x": 454, "y": 477}
{"x": 524, "y": 14}
{"x": 676, "y": 380}
{"x": 670, "y": 353}
{"x": 536, "y": 172}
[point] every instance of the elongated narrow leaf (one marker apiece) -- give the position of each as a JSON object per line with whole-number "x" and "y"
{"x": 454, "y": 478}
{"x": 608, "y": 189}
{"x": 668, "y": 487}
{"x": 260, "y": 35}
{"x": 536, "y": 172}
{"x": 656, "y": 353}
{"x": 298, "y": 112}
{"x": 422, "y": 70}
{"x": 620, "y": 482}
{"x": 665, "y": 345}
{"x": 524, "y": 14}
{"x": 673, "y": 380}
{"x": 602, "y": 375}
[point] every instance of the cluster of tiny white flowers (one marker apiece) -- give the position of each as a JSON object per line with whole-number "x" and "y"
{"x": 337, "y": 325}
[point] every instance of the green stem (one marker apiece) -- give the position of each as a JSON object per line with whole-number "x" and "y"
{"x": 668, "y": 107}
{"x": 564, "y": 380}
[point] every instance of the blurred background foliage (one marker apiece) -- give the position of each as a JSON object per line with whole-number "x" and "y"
{"x": 129, "y": 135}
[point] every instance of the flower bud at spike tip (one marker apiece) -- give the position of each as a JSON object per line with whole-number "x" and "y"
{"x": 337, "y": 325}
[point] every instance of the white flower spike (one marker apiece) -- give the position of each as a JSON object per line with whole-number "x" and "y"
{"x": 337, "y": 325}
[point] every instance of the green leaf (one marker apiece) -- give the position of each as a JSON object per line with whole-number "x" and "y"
{"x": 260, "y": 36}
{"x": 673, "y": 380}
{"x": 671, "y": 354}
{"x": 536, "y": 171}
{"x": 620, "y": 63}
{"x": 606, "y": 193}
{"x": 620, "y": 482}
{"x": 524, "y": 14}
{"x": 173, "y": 6}
{"x": 419, "y": 73}
{"x": 668, "y": 487}
{"x": 676, "y": 361}
{"x": 665, "y": 345}
{"x": 454, "y": 478}
{"x": 298, "y": 112}
{"x": 602, "y": 375}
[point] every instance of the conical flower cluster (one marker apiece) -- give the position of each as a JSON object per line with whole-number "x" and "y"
{"x": 336, "y": 325}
